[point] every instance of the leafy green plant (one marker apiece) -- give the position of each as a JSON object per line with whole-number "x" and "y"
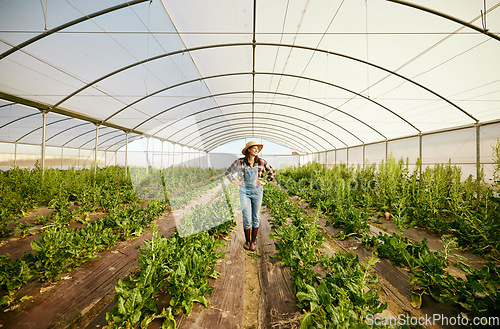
{"x": 340, "y": 299}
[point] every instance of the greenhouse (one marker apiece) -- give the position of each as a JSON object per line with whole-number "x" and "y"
{"x": 368, "y": 130}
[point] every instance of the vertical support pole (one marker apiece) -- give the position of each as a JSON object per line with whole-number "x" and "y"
{"x": 161, "y": 162}
{"x": 420, "y": 153}
{"x": 147, "y": 155}
{"x": 364, "y": 155}
{"x": 168, "y": 155}
{"x": 335, "y": 157}
{"x": 182, "y": 156}
{"x": 116, "y": 158}
{"x": 173, "y": 155}
{"x": 15, "y": 154}
{"x": 347, "y": 157}
{"x": 95, "y": 148}
{"x": 79, "y": 155}
{"x": 44, "y": 134}
{"x": 62, "y": 156}
{"x": 386, "y": 150}
{"x": 478, "y": 151}
{"x": 126, "y": 154}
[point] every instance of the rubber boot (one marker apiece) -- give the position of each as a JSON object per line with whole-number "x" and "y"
{"x": 247, "y": 239}
{"x": 255, "y": 230}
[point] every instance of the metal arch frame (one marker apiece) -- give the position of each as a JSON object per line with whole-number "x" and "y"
{"x": 276, "y": 74}
{"x": 240, "y": 135}
{"x": 19, "y": 119}
{"x": 131, "y": 139}
{"x": 249, "y": 103}
{"x": 241, "y": 92}
{"x": 68, "y": 24}
{"x": 87, "y": 132}
{"x": 67, "y": 129}
{"x": 443, "y": 15}
{"x": 257, "y": 126}
{"x": 253, "y": 102}
{"x": 228, "y": 120}
{"x": 235, "y": 113}
{"x": 282, "y": 138}
{"x": 263, "y": 44}
{"x": 41, "y": 127}
{"x": 101, "y": 143}
{"x": 100, "y": 135}
{"x": 268, "y": 113}
{"x": 78, "y": 136}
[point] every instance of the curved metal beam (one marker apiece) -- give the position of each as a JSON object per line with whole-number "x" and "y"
{"x": 284, "y": 94}
{"x": 446, "y": 16}
{"x": 268, "y": 113}
{"x": 232, "y": 139}
{"x": 216, "y": 141}
{"x": 100, "y": 136}
{"x": 18, "y": 119}
{"x": 88, "y": 132}
{"x": 66, "y": 25}
{"x": 101, "y": 143}
{"x": 130, "y": 139}
{"x": 67, "y": 129}
{"x": 78, "y": 136}
{"x": 234, "y": 93}
{"x": 222, "y": 130}
{"x": 227, "y": 120}
{"x": 249, "y": 133}
{"x": 240, "y": 135}
{"x": 48, "y": 124}
{"x": 247, "y": 44}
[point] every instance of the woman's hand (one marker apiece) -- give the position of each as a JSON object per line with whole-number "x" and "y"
{"x": 240, "y": 183}
{"x": 262, "y": 183}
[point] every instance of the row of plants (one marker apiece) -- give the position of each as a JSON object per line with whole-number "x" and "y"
{"x": 176, "y": 185}
{"x": 435, "y": 199}
{"x": 345, "y": 296}
{"x": 477, "y": 294}
{"x": 22, "y": 190}
{"x": 60, "y": 249}
{"x": 176, "y": 267}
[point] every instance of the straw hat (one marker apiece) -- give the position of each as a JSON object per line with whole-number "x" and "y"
{"x": 250, "y": 144}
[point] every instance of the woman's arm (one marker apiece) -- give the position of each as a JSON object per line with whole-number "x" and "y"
{"x": 235, "y": 167}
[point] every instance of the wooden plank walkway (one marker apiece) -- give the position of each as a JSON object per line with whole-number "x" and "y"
{"x": 278, "y": 303}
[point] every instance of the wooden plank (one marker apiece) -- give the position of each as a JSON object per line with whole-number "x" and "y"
{"x": 226, "y": 309}
{"x": 278, "y": 303}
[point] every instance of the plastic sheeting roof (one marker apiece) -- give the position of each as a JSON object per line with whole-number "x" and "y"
{"x": 311, "y": 75}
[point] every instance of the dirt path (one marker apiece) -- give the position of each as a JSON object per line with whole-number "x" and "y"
{"x": 251, "y": 292}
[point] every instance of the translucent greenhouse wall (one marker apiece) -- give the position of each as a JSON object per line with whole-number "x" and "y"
{"x": 464, "y": 147}
{"x": 458, "y": 146}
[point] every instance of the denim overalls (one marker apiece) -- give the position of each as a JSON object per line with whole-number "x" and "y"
{"x": 251, "y": 198}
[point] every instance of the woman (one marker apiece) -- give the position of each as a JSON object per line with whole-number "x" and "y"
{"x": 248, "y": 173}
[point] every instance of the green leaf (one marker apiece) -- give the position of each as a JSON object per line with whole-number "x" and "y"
{"x": 202, "y": 300}
{"x": 416, "y": 299}
{"x": 307, "y": 320}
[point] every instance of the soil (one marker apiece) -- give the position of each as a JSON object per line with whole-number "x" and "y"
{"x": 251, "y": 292}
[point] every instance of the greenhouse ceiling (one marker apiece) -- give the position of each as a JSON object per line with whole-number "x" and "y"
{"x": 310, "y": 75}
